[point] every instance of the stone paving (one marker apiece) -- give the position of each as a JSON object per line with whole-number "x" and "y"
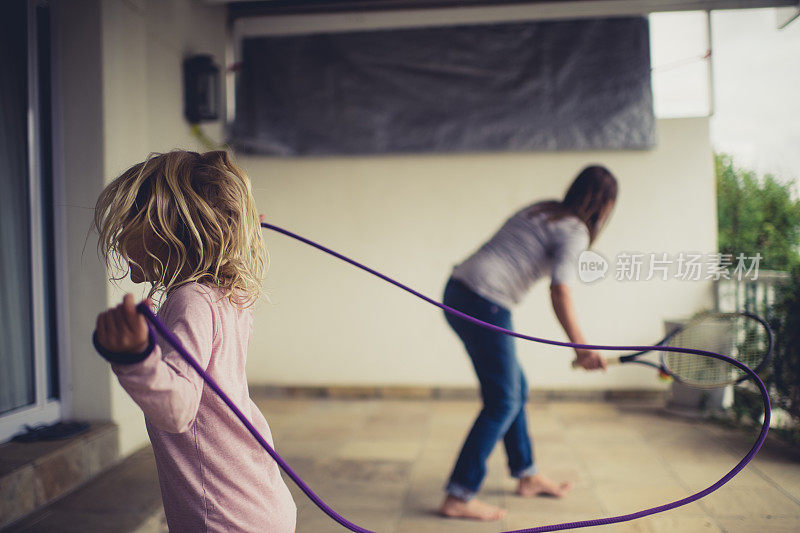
{"x": 382, "y": 464}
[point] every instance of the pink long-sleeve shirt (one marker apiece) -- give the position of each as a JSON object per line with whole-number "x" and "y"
{"x": 214, "y": 476}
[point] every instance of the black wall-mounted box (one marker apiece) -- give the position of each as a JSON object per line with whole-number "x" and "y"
{"x": 200, "y": 89}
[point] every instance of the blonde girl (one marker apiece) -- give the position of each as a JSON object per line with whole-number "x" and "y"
{"x": 186, "y": 223}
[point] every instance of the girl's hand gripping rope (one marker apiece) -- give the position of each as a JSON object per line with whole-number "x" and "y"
{"x": 122, "y": 329}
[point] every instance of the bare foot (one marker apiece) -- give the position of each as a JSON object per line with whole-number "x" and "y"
{"x": 539, "y": 485}
{"x": 474, "y": 509}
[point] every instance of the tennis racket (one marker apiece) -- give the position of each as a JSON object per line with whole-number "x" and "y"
{"x": 743, "y": 336}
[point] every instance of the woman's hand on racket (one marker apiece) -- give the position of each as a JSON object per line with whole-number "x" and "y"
{"x": 590, "y": 359}
{"x": 122, "y": 329}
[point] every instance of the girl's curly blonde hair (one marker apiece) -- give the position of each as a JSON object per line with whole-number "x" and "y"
{"x": 191, "y": 217}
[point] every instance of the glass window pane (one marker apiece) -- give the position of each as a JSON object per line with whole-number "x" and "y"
{"x": 16, "y": 349}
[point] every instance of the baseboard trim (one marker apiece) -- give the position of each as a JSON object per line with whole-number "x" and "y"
{"x": 398, "y": 392}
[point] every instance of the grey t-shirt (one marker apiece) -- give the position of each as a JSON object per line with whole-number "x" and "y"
{"x": 527, "y": 247}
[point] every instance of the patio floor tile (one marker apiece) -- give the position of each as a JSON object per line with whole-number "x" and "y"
{"x": 383, "y": 463}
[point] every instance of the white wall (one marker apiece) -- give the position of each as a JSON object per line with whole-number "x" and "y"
{"x": 413, "y": 217}
{"x": 122, "y": 98}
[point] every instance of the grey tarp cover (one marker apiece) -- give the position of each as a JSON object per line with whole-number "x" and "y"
{"x": 557, "y": 85}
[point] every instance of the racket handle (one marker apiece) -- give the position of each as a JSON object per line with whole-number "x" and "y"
{"x": 609, "y": 362}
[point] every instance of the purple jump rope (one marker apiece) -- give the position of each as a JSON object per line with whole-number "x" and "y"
{"x": 171, "y": 339}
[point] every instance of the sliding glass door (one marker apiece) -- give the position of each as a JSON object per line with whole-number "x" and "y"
{"x": 28, "y": 356}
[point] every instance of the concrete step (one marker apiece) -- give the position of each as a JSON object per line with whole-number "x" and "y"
{"x": 34, "y": 474}
{"x": 123, "y": 499}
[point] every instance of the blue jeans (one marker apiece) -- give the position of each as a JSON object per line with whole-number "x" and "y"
{"x": 503, "y": 389}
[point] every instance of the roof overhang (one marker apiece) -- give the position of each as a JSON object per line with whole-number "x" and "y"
{"x": 259, "y": 17}
{"x": 547, "y": 8}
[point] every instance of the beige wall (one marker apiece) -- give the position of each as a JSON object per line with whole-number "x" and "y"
{"x": 413, "y": 217}
{"x": 78, "y": 136}
{"x": 144, "y": 44}
{"x": 123, "y": 98}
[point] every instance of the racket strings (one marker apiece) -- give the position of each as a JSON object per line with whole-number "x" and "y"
{"x": 738, "y": 336}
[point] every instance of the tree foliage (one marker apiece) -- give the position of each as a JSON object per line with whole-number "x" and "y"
{"x": 762, "y": 215}
{"x": 785, "y": 376}
{"x": 757, "y": 215}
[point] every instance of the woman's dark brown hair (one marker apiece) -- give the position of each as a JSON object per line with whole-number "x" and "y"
{"x": 587, "y": 198}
